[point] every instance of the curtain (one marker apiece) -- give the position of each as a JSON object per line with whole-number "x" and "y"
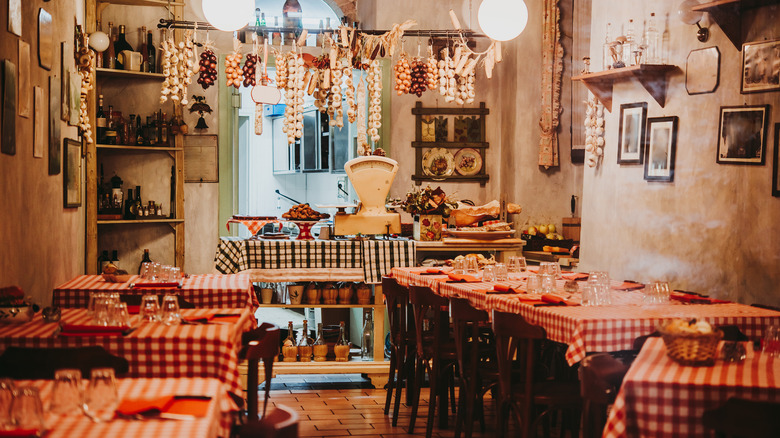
{"x": 552, "y": 75}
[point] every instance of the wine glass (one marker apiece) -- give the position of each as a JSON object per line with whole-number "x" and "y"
{"x": 66, "y": 394}
{"x": 101, "y": 398}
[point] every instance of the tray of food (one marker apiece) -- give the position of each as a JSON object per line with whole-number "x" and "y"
{"x": 494, "y": 230}
{"x": 304, "y": 213}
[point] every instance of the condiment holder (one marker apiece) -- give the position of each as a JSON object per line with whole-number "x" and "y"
{"x": 329, "y": 294}
{"x": 345, "y": 294}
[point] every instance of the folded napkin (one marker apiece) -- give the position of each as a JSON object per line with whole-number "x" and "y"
{"x": 695, "y": 299}
{"x": 433, "y": 271}
{"x": 75, "y": 330}
{"x": 134, "y": 310}
{"x": 575, "y": 276}
{"x": 629, "y": 285}
{"x": 19, "y": 433}
{"x": 196, "y": 406}
{"x": 500, "y": 288}
{"x": 156, "y": 285}
{"x": 463, "y": 278}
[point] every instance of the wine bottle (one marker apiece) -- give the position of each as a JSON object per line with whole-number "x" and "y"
{"x": 109, "y": 59}
{"x": 138, "y": 203}
{"x": 139, "y": 131}
{"x": 129, "y": 204}
{"x": 305, "y": 344}
{"x": 367, "y": 341}
{"x": 151, "y": 53}
{"x": 144, "y": 51}
{"x": 120, "y": 45}
{"x": 100, "y": 121}
{"x": 653, "y": 41}
{"x": 630, "y": 45}
{"x": 607, "y": 49}
{"x": 144, "y": 259}
{"x": 102, "y": 260}
{"x": 289, "y": 348}
{"x": 320, "y": 347}
{"x": 98, "y": 55}
{"x": 342, "y": 345}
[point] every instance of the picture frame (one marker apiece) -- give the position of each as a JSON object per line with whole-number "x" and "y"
{"x": 702, "y": 71}
{"x": 8, "y": 121}
{"x": 776, "y": 166}
{"x": 45, "y": 40}
{"x": 71, "y": 176}
{"x": 661, "y": 148}
{"x": 742, "y": 134}
{"x": 631, "y": 137}
{"x": 760, "y": 66}
{"x": 15, "y": 17}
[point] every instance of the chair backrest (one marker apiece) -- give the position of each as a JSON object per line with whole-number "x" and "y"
{"x": 396, "y": 303}
{"x": 516, "y": 338}
{"x": 466, "y": 324}
{"x": 426, "y": 303}
{"x": 41, "y": 363}
{"x": 259, "y": 344}
{"x": 744, "y": 418}
{"x": 600, "y": 378}
{"x": 282, "y": 422}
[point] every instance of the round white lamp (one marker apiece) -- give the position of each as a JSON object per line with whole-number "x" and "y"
{"x": 502, "y": 20}
{"x": 98, "y": 41}
{"x": 228, "y": 15}
{"x": 689, "y": 16}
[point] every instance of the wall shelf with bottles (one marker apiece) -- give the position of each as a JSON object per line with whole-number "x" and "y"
{"x": 727, "y": 13}
{"x": 140, "y": 221}
{"x": 654, "y": 77}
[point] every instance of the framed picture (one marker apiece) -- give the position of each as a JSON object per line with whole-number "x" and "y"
{"x": 776, "y": 167}
{"x": 702, "y": 70}
{"x": 761, "y": 66}
{"x": 661, "y": 148}
{"x": 631, "y": 140}
{"x": 45, "y": 39}
{"x": 72, "y": 174}
{"x": 742, "y": 134}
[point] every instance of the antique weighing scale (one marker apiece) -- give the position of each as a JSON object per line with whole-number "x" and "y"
{"x": 371, "y": 176}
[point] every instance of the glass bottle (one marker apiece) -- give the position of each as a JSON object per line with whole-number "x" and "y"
{"x": 102, "y": 260}
{"x": 321, "y": 35}
{"x": 100, "y": 121}
{"x": 664, "y": 55}
{"x": 320, "y": 347}
{"x": 164, "y": 130}
{"x": 144, "y": 51}
{"x": 277, "y": 36}
{"x": 367, "y": 341}
{"x": 109, "y": 59}
{"x": 151, "y": 53}
{"x": 293, "y": 19}
{"x": 305, "y": 343}
{"x": 630, "y": 45}
{"x": 98, "y": 55}
{"x": 342, "y": 345}
{"x": 144, "y": 259}
{"x": 138, "y": 204}
{"x": 289, "y": 349}
{"x": 653, "y": 41}
{"x": 129, "y": 203}
{"x": 120, "y": 45}
{"x": 607, "y": 54}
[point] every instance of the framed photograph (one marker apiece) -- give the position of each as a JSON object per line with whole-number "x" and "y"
{"x": 15, "y": 17}
{"x": 661, "y": 148}
{"x": 702, "y": 70}
{"x": 24, "y": 92}
{"x": 8, "y": 122}
{"x": 742, "y": 134}
{"x": 631, "y": 140}
{"x": 761, "y": 66}
{"x": 45, "y": 39}
{"x": 72, "y": 174}
{"x": 776, "y": 167}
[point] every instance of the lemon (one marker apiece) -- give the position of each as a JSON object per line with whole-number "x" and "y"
{"x": 551, "y": 228}
{"x": 543, "y": 229}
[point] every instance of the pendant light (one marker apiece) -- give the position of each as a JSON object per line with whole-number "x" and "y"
{"x": 228, "y": 15}
{"x": 502, "y": 20}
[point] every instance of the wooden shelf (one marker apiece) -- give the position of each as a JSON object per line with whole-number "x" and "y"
{"x": 449, "y": 144}
{"x": 728, "y": 15}
{"x": 454, "y": 178}
{"x": 140, "y": 221}
{"x": 160, "y": 3}
{"x": 652, "y": 76}
{"x": 323, "y": 306}
{"x": 113, "y": 73}
{"x": 128, "y": 147}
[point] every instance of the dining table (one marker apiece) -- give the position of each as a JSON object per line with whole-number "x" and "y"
{"x": 589, "y": 329}
{"x": 207, "y": 346}
{"x": 206, "y": 290}
{"x": 660, "y": 397}
{"x": 211, "y": 421}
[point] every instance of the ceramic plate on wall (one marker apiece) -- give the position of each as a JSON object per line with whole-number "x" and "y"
{"x": 438, "y": 162}
{"x": 468, "y": 161}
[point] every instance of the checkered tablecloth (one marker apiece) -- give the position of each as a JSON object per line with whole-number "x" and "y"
{"x": 153, "y": 349}
{"x": 661, "y": 398}
{"x": 374, "y": 257}
{"x": 209, "y": 290}
{"x": 216, "y": 423}
{"x": 595, "y": 328}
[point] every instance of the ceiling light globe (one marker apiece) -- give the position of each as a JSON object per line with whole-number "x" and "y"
{"x": 502, "y": 20}
{"x": 686, "y": 14}
{"x": 228, "y": 15}
{"x": 98, "y": 41}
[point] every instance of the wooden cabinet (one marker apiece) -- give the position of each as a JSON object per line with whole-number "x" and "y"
{"x": 164, "y": 183}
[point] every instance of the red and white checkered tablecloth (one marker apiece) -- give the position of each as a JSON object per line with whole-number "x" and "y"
{"x": 153, "y": 349}
{"x": 209, "y": 290}
{"x": 216, "y": 423}
{"x": 595, "y": 328}
{"x": 661, "y": 398}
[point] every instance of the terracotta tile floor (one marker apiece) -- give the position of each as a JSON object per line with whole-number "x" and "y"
{"x": 348, "y": 405}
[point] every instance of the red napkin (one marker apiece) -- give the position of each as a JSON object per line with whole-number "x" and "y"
{"x": 463, "y": 278}
{"x": 78, "y": 330}
{"x": 629, "y": 285}
{"x": 695, "y": 299}
{"x": 195, "y": 406}
{"x": 163, "y": 284}
{"x": 504, "y": 289}
{"x": 134, "y": 310}
{"x": 433, "y": 271}
{"x": 20, "y": 433}
{"x": 575, "y": 276}
{"x": 553, "y": 299}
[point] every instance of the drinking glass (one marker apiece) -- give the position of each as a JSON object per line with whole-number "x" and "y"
{"x": 146, "y": 269}
{"x": 533, "y": 284}
{"x": 472, "y": 266}
{"x": 516, "y": 264}
{"x": 150, "y": 308}
{"x": 101, "y": 398}
{"x": 176, "y": 276}
{"x": 548, "y": 284}
{"x": 502, "y": 273}
{"x": 170, "y": 310}
{"x": 154, "y": 274}
{"x": 603, "y": 294}
{"x": 7, "y": 394}
{"x": 589, "y": 295}
{"x": 459, "y": 266}
{"x": 27, "y": 409}
{"x": 772, "y": 341}
{"x": 121, "y": 315}
{"x": 66, "y": 394}
{"x": 165, "y": 273}
{"x": 102, "y": 312}
{"x": 489, "y": 273}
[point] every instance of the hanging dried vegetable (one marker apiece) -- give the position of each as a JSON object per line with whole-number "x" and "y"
{"x": 375, "y": 96}
{"x": 177, "y": 66}
{"x": 403, "y": 75}
{"x": 208, "y": 69}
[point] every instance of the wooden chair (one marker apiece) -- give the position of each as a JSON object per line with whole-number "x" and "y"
{"x": 600, "y": 378}
{"x": 282, "y": 422}
{"x": 259, "y": 344}
{"x": 402, "y": 343}
{"x": 435, "y": 353}
{"x": 517, "y": 344}
{"x": 742, "y": 418}
{"x": 476, "y": 365}
{"x": 41, "y": 363}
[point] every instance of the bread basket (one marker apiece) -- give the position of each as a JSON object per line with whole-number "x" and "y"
{"x": 691, "y": 349}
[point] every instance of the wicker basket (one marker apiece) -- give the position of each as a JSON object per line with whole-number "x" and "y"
{"x": 691, "y": 349}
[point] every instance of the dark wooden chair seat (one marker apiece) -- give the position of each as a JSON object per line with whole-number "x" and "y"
{"x": 41, "y": 363}
{"x": 600, "y": 378}
{"x": 282, "y": 422}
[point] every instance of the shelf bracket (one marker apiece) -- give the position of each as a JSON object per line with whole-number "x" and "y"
{"x": 655, "y": 84}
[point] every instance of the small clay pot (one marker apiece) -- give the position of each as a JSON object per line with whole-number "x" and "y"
{"x": 313, "y": 293}
{"x": 364, "y": 294}
{"x": 329, "y": 294}
{"x": 296, "y": 293}
{"x": 345, "y": 294}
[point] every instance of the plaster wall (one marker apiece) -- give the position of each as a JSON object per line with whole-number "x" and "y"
{"x": 712, "y": 230}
